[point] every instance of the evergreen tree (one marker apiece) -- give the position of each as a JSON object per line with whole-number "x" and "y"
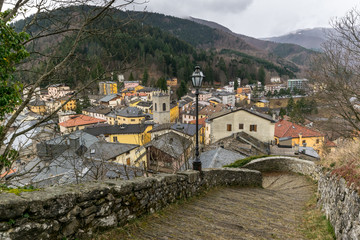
{"x": 161, "y": 83}
{"x": 282, "y": 113}
{"x": 291, "y": 105}
{"x": 261, "y": 75}
{"x": 145, "y": 77}
{"x": 236, "y": 84}
{"x": 182, "y": 90}
{"x": 131, "y": 77}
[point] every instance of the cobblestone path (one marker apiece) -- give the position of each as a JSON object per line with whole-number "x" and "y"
{"x": 271, "y": 212}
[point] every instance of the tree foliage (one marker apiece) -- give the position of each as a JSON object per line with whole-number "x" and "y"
{"x": 12, "y": 51}
{"x": 336, "y": 74}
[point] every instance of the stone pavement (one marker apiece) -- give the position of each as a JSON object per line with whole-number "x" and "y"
{"x": 271, "y": 212}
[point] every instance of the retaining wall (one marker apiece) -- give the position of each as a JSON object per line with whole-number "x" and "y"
{"x": 340, "y": 203}
{"x": 76, "y": 211}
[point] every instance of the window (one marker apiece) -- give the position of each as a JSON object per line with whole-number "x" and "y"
{"x": 164, "y": 106}
{"x": 317, "y": 141}
{"x": 155, "y": 107}
{"x": 133, "y": 120}
{"x": 253, "y": 128}
{"x": 128, "y": 152}
{"x": 228, "y": 127}
{"x": 304, "y": 142}
{"x": 128, "y": 161}
{"x": 114, "y": 139}
{"x": 241, "y": 126}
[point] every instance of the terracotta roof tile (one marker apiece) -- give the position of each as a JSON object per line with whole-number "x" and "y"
{"x": 285, "y": 128}
{"x": 79, "y": 120}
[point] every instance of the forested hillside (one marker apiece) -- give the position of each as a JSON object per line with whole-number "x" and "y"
{"x": 161, "y": 46}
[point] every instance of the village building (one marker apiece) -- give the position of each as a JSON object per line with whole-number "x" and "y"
{"x": 127, "y": 133}
{"x": 107, "y": 88}
{"x": 291, "y": 134}
{"x": 78, "y": 122}
{"x": 168, "y": 153}
{"x": 224, "y": 124}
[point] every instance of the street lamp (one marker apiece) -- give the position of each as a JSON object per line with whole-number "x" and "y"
{"x": 197, "y": 78}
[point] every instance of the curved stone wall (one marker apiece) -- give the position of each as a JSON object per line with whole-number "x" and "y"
{"x": 286, "y": 164}
{"x": 76, "y": 211}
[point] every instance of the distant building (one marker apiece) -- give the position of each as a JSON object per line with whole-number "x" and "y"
{"x": 161, "y": 108}
{"x": 274, "y": 87}
{"x": 37, "y": 106}
{"x": 107, "y": 88}
{"x": 298, "y": 84}
{"x": 172, "y": 82}
{"x": 58, "y": 90}
{"x": 131, "y": 84}
{"x": 226, "y": 98}
{"x": 78, "y": 122}
{"x": 275, "y": 80}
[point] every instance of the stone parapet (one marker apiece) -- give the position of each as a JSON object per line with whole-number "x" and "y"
{"x": 76, "y": 211}
{"x": 285, "y": 164}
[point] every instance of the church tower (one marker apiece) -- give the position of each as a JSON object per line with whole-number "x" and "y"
{"x": 161, "y": 108}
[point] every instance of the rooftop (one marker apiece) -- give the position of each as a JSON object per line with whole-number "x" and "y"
{"x": 79, "y": 120}
{"x": 285, "y": 128}
{"x": 116, "y": 129}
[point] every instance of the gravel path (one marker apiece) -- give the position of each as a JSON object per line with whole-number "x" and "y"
{"x": 273, "y": 212}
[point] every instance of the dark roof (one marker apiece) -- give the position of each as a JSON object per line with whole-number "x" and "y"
{"x": 148, "y": 89}
{"x": 130, "y": 112}
{"x": 188, "y": 129}
{"x": 37, "y": 102}
{"x": 264, "y": 116}
{"x": 170, "y": 143}
{"x": 144, "y": 104}
{"x": 107, "y": 150}
{"x": 116, "y": 129}
{"x": 217, "y": 158}
{"x": 172, "y": 105}
{"x": 98, "y": 109}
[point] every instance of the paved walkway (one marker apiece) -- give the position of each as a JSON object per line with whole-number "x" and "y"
{"x": 273, "y": 212}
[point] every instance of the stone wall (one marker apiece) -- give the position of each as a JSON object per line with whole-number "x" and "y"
{"x": 285, "y": 164}
{"x": 341, "y": 205}
{"x": 79, "y": 210}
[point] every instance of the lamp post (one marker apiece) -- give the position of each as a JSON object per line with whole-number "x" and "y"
{"x": 197, "y": 78}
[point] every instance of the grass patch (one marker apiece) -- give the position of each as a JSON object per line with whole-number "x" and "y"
{"x": 17, "y": 191}
{"x": 242, "y": 162}
{"x": 315, "y": 225}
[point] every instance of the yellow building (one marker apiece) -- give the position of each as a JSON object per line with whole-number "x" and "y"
{"x": 38, "y": 107}
{"x": 138, "y": 87}
{"x": 126, "y": 154}
{"x": 172, "y": 82}
{"x": 130, "y": 115}
{"x": 174, "y": 112}
{"x": 262, "y": 103}
{"x": 289, "y": 133}
{"x": 146, "y": 107}
{"x": 107, "y": 88}
{"x": 134, "y": 103}
{"x": 70, "y": 105}
{"x": 129, "y": 134}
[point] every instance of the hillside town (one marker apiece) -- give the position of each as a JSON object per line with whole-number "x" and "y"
{"x": 129, "y": 130}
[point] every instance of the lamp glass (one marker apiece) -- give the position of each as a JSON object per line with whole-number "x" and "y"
{"x": 197, "y": 77}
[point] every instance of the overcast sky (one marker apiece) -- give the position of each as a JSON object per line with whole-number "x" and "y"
{"x": 258, "y": 18}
